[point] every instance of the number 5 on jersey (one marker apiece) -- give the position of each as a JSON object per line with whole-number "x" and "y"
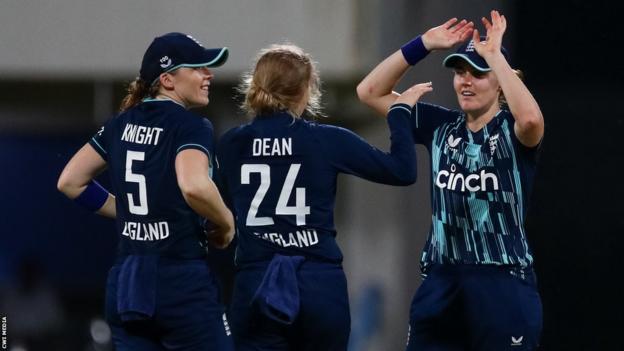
{"x": 141, "y": 208}
{"x": 300, "y": 210}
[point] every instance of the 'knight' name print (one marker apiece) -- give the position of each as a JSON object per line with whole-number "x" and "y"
{"x": 141, "y": 135}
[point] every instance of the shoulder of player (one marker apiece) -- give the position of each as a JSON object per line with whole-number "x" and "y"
{"x": 321, "y": 129}
{"x": 327, "y": 134}
{"x": 186, "y": 118}
{"x": 232, "y": 134}
{"x": 426, "y": 107}
{"x": 506, "y": 114}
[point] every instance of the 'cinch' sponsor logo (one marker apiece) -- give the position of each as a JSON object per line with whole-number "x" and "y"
{"x": 473, "y": 182}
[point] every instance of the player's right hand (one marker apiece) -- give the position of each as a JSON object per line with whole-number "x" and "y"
{"x": 413, "y": 94}
{"x": 448, "y": 34}
{"x": 219, "y": 239}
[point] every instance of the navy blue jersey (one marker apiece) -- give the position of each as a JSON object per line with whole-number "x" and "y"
{"x": 140, "y": 146}
{"x": 278, "y": 174}
{"x": 480, "y": 187}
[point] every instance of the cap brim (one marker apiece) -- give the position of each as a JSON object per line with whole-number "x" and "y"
{"x": 216, "y": 57}
{"x": 451, "y": 61}
{"x": 212, "y": 58}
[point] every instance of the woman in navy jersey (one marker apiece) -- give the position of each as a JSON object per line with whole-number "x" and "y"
{"x": 479, "y": 292}
{"x": 279, "y": 177}
{"x": 161, "y": 294}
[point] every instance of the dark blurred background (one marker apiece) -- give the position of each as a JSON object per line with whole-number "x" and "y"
{"x": 58, "y": 85}
{"x": 576, "y": 220}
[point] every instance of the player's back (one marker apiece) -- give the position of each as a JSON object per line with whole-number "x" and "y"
{"x": 281, "y": 187}
{"x": 279, "y": 176}
{"x": 141, "y": 145}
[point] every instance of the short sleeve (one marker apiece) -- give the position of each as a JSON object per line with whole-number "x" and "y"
{"x": 526, "y": 154}
{"x": 100, "y": 141}
{"x": 427, "y": 118}
{"x": 195, "y": 133}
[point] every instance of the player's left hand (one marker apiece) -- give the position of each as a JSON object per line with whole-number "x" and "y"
{"x": 447, "y": 34}
{"x": 494, "y": 35}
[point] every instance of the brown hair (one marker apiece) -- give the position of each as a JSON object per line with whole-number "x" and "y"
{"x": 280, "y": 77}
{"x": 502, "y": 101}
{"x": 137, "y": 91}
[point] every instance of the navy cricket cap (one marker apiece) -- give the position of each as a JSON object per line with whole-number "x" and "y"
{"x": 468, "y": 53}
{"x": 174, "y": 50}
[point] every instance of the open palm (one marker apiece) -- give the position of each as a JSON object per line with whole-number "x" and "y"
{"x": 494, "y": 35}
{"x": 448, "y": 34}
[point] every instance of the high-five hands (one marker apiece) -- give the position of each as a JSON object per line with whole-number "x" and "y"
{"x": 413, "y": 94}
{"x": 448, "y": 34}
{"x": 494, "y": 35}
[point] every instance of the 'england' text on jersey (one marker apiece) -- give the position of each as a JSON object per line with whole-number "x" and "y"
{"x": 272, "y": 146}
{"x": 146, "y": 231}
{"x": 301, "y": 238}
{"x": 141, "y": 135}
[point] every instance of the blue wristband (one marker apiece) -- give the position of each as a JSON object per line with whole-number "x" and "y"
{"x": 93, "y": 197}
{"x": 414, "y": 50}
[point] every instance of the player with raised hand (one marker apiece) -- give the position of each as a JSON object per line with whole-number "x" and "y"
{"x": 161, "y": 294}
{"x": 279, "y": 176}
{"x": 479, "y": 291}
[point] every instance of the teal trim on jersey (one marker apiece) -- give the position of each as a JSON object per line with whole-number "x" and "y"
{"x": 210, "y": 166}
{"x": 159, "y": 100}
{"x": 454, "y": 247}
{"x": 516, "y": 172}
{"x": 486, "y": 248}
{"x": 501, "y": 247}
{"x": 401, "y": 107}
{"x": 479, "y": 210}
{"x": 470, "y": 138}
{"x": 100, "y": 146}
{"x": 438, "y": 233}
{"x": 435, "y": 153}
{"x": 474, "y": 243}
{"x": 200, "y": 146}
{"x": 467, "y": 239}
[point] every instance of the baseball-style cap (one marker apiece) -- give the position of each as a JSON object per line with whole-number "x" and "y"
{"x": 468, "y": 53}
{"x": 174, "y": 50}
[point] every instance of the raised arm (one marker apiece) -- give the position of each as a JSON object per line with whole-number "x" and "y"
{"x": 529, "y": 126}
{"x": 351, "y": 154}
{"x": 202, "y": 195}
{"x": 376, "y": 89}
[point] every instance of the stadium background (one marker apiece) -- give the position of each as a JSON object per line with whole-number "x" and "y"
{"x": 63, "y": 66}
